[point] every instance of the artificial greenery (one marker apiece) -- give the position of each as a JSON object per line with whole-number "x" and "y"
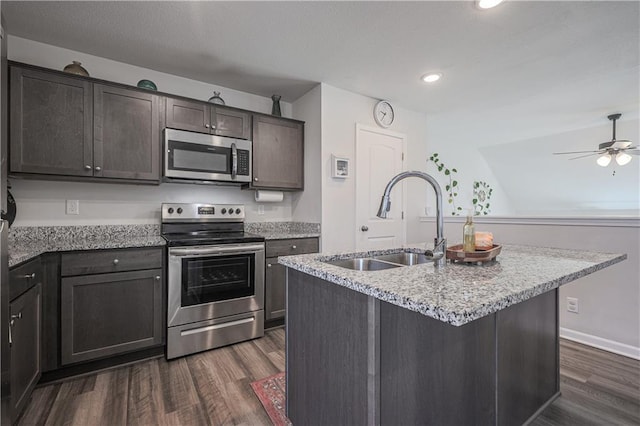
{"x": 452, "y": 187}
{"x": 481, "y": 190}
{"x": 481, "y": 194}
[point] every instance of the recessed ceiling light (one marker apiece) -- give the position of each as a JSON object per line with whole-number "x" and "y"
{"x": 432, "y": 77}
{"x": 488, "y": 4}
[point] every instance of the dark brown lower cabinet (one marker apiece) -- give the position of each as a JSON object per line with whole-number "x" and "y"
{"x": 108, "y": 314}
{"x": 392, "y": 366}
{"x": 275, "y": 285}
{"x": 24, "y": 339}
{"x": 275, "y": 279}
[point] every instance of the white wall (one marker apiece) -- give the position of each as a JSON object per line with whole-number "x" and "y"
{"x": 43, "y": 202}
{"x": 341, "y": 110}
{"x": 462, "y": 154}
{"x": 609, "y": 299}
{"x": 307, "y": 205}
{"x": 539, "y": 183}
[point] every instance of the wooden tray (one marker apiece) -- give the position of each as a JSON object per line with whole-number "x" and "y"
{"x": 456, "y": 254}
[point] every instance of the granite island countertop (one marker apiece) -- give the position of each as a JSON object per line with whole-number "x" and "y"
{"x": 459, "y": 293}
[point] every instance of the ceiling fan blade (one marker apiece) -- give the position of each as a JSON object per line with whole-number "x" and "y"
{"x": 575, "y": 152}
{"x": 582, "y": 156}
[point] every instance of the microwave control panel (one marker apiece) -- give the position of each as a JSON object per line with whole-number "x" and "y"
{"x": 243, "y": 162}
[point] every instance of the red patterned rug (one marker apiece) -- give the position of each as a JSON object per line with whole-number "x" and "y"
{"x": 271, "y": 393}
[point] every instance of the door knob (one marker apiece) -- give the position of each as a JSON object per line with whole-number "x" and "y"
{"x": 364, "y": 228}
{"x": 88, "y": 167}
{"x": 98, "y": 168}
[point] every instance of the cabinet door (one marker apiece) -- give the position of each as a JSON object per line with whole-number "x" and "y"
{"x": 275, "y": 280}
{"x": 25, "y": 331}
{"x": 51, "y": 124}
{"x": 108, "y": 314}
{"x": 126, "y": 134}
{"x": 231, "y": 123}
{"x": 278, "y": 153}
{"x": 188, "y": 115}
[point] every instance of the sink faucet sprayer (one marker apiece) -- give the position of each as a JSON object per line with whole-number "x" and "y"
{"x": 440, "y": 243}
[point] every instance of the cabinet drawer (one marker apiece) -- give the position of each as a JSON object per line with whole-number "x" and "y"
{"x": 104, "y": 261}
{"x": 24, "y": 277}
{"x": 290, "y": 247}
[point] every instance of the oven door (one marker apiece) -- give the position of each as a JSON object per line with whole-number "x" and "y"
{"x": 207, "y": 282}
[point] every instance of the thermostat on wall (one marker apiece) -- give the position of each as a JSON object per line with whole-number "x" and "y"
{"x": 339, "y": 167}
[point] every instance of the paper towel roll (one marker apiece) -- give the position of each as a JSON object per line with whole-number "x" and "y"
{"x": 269, "y": 196}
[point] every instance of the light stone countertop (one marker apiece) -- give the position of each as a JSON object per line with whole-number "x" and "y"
{"x": 28, "y": 242}
{"x": 283, "y": 230}
{"x": 459, "y": 293}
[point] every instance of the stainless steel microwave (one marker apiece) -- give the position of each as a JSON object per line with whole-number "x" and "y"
{"x": 201, "y": 157}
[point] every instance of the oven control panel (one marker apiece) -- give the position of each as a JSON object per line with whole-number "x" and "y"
{"x": 182, "y": 212}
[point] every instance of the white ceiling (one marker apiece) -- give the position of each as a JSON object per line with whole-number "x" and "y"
{"x": 513, "y": 70}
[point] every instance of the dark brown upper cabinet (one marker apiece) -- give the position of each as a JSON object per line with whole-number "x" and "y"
{"x": 278, "y": 153}
{"x": 51, "y": 124}
{"x": 70, "y": 126}
{"x": 204, "y": 117}
{"x": 126, "y": 134}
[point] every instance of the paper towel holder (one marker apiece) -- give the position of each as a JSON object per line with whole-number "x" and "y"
{"x": 339, "y": 167}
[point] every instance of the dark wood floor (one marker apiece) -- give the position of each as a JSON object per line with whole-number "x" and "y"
{"x": 213, "y": 388}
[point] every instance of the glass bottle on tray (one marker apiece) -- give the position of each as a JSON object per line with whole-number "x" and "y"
{"x": 468, "y": 235}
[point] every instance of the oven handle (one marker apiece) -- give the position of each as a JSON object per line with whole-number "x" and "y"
{"x": 234, "y": 161}
{"x": 216, "y": 326}
{"x": 181, "y": 252}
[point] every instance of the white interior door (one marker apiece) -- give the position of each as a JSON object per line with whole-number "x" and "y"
{"x": 379, "y": 157}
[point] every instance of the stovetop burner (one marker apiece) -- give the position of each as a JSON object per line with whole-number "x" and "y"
{"x": 204, "y": 224}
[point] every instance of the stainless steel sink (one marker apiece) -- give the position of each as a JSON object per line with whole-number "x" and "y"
{"x": 404, "y": 258}
{"x": 363, "y": 264}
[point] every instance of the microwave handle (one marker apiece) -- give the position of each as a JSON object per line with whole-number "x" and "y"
{"x": 234, "y": 161}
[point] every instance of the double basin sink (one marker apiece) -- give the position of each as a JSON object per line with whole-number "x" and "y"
{"x": 381, "y": 262}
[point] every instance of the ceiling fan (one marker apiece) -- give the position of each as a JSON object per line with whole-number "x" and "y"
{"x": 615, "y": 148}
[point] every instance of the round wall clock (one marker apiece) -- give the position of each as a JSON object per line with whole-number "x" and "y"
{"x": 383, "y": 113}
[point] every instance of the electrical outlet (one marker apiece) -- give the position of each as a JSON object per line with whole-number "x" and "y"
{"x": 73, "y": 207}
{"x": 572, "y": 304}
{"x": 260, "y": 209}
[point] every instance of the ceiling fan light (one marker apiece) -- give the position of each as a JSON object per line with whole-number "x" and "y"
{"x": 623, "y": 158}
{"x": 604, "y": 160}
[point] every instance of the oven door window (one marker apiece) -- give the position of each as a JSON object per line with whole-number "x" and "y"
{"x": 213, "y": 279}
{"x": 199, "y": 158}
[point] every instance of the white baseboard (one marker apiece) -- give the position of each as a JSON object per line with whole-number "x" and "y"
{"x": 600, "y": 343}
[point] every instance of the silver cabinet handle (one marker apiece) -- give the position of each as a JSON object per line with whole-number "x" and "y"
{"x": 206, "y": 125}
{"x": 364, "y": 228}
{"x": 11, "y": 324}
{"x": 157, "y": 277}
{"x": 116, "y": 261}
{"x": 255, "y": 179}
{"x": 268, "y": 265}
{"x": 294, "y": 247}
{"x": 213, "y": 126}
{"x": 30, "y": 276}
{"x": 98, "y": 168}
{"x": 88, "y": 167}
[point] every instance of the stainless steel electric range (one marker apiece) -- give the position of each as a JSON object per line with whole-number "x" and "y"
{"x": 215, "y": 277}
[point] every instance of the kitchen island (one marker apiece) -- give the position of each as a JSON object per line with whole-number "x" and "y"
{"x": 463, "y": 344}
